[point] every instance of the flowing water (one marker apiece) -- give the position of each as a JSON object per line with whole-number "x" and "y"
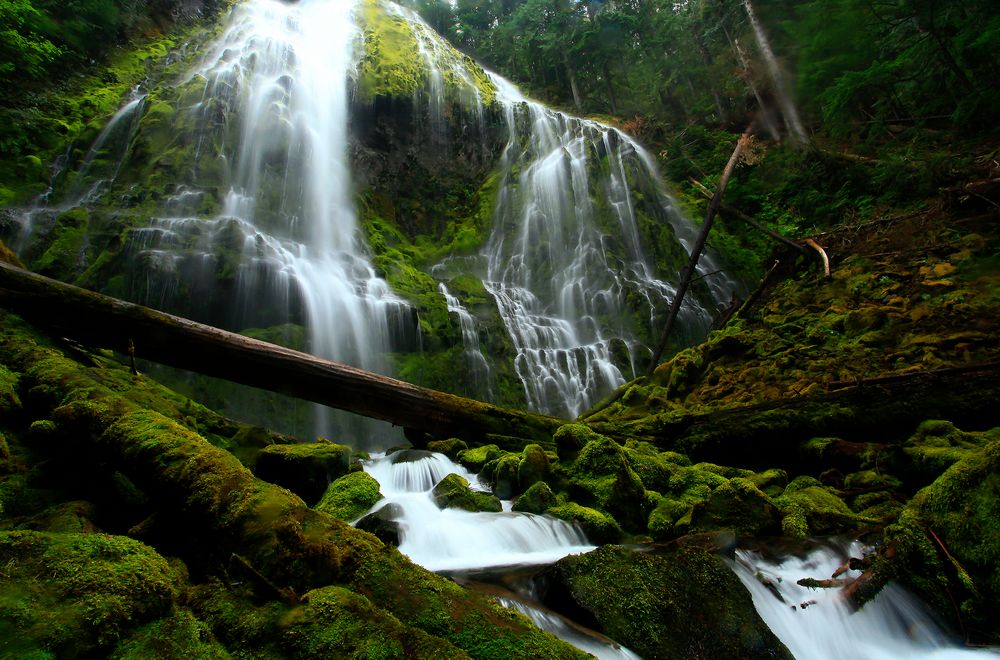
{"x": 566, "y": 254}
{"x": 820, "y": 624}
{"x": 454, "y": 539}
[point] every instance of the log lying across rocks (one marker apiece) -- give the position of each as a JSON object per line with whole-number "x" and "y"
{"x": 98, "y": 320}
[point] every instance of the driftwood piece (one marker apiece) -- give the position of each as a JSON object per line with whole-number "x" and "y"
{"x": 822, "y": 254}
{"x": 99, "y": 320}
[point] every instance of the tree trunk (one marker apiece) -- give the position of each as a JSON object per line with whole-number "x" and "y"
{"x": 100, "y": 320}
{"x": 797, "y": 131}
{"x": 611, "y": 90}
{"x": 698, "y": 248}
{"x": 571, "y": 74}
{"x": 767, "y": 117}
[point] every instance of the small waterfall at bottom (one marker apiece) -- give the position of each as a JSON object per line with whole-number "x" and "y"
{"x": 454, "y": 540}
{"x": 457, "y": 540}
{"x": 820, "y": 624}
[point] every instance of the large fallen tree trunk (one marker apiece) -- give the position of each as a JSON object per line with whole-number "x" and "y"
{"x": 99, "y": 320}
{"x": 880, "y": 409}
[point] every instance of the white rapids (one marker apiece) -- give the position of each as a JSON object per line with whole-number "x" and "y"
{"x": 456, "y": 540}
{"x": 818, "y": 624}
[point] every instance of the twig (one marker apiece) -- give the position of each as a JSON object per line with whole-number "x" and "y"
{"x": 822, "y": 253}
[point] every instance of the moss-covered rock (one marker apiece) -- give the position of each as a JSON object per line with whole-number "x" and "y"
{"x": 350, "y": 496}
{"x": 306, "y": 469}
{"x": 946, "y": 544}
{"x": 537, "y": 499}
{"x": 571, "y": 438}
{"x": 533, "y": 467}
{"x": 178, "y": 635}
{"x": 501, "y": 475}
{"x": 602, "y": 477}
{"x": 936, "y": 446}
{"x": 95, "y": 588}
{"x": 598, "y": 526}
{"x": 9, "y": 399}
{"x": 474, "y": 459}
{"x": 684, "y": 604}
{"x": 454, "y": 492}
{"x": 450, "y": 447}
{"x": 806, "y": 501}
{"x": 737, "y": 505}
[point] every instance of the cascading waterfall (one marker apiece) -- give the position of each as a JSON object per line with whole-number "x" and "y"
{"x": 479, "y": 367}
{"x": 821, "y": 624}
{"x": 454, "y": 539}
{"x": 283, "y": 70}
{"x": 565, "y": 254}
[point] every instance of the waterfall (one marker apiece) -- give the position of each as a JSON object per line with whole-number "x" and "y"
{"x": 565, "y": 254}
{"x": 821, "y": 624}
{"x": 454, "y": 539}
{"x": 478, "y": 366}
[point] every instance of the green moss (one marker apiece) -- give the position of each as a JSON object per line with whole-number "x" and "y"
{"x": 96, "y": 588}
{"x": 350, "y": 496}
{"x": 392, "y": 64}
{"x": 501, "y": 475}
{"x": 598, "y": 526}
{"x": 537, "y": 499}
{"x": 451, "y": 447}
{"x": 823, "y": 510}
{"x": 533, "y": 467}
{"x": 177, "y": 635}
{"x": 738, "y": 505}
{"x": 474, "y": 459}
{"x": 9, "y": 399}
{"x": 304, "y": 468}
{"x": 454, "y": 492}
{"x": 680, "y": 605}
{"x": 289, "y": 335}
{"x": 64, "y": 256}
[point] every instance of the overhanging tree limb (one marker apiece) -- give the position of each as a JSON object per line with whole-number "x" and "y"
{"x": 100, "y": 320}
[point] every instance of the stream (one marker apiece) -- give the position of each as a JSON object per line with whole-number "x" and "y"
{"x": 482, "y": 548}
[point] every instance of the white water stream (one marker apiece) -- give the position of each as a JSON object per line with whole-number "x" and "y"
{"x": 454, "y": 539}
{"x": 819, "y": 624}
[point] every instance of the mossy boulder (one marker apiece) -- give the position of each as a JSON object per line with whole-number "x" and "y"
{"x": 9, "y": 399}
{"x": 474, "y": 459}
{"x": 737, "y": 505}
{"x": 350, "y": 496}
{"x": 450, "y": 447}
{"x": 502, "y": 475}
{"x": 306, "y": 469}
{"x": 685, "y": 604}
{"x": 178, "y": 635}
{"x": 533, "y": 467}
{"x": 810, "y": 508}
{"x": 571, "y": 438}
{"x": 946, "y": 545}
{"x": 597, "y": 525}
{"x": 94, "y": 589}
{"x": 454, "y": 492}
{"x": 537, "y": 499}
{"x": 64, "y": 257}
{"x": 670, "y": 516}
{"x": 934, "y": 447}
{"x": 602, "y": 477}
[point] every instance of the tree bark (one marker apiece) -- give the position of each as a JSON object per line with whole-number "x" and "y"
{"x": 100, "y": 320}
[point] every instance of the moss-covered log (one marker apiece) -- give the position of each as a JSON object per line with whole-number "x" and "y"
{"x": 889, "y": 409}
{"x": 216, "y": 516}
{"x": 100, "y": 320}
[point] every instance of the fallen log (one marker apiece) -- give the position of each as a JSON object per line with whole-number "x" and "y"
{"x": 753, "y": 435}
{"x": 103, "y": 321}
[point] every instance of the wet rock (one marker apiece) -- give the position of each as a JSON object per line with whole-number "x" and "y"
{"x": 454, "y": 492}
{"x": 450, "y": 447}
{"x": 305, "y": 469}
{"x": 682, "y": 604}
{"x": 383, "y": 523}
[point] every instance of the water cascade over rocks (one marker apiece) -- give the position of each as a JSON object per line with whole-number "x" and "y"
{"x": 243, "y": 179}
{"x": 820, "y": 624}
{"x": 454, "y": 539}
